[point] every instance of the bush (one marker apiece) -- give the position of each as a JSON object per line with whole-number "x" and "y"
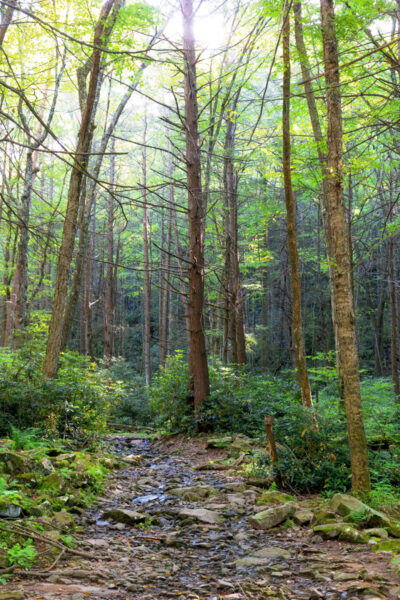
{"x": 75, "y": 405}
{"x": 133, "y": 406}
{"x": 170, "y": 405}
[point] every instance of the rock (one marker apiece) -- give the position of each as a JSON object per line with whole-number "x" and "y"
{"x": 12, "y": 596}
{"x": 8, "y": 510}
{"x": 31, "y": 480}
{"x": 68, "y": 457}
{"x": 236, "y": 500}
{"x": 303, "y": 516}
{"x": 64, "y": 519}
{"x": 221, "y": 442}
{"x": 330, "y": 531}
{"x": 263, "y": 557}
{"x": 16, "y": 462}
{"x": 378, "y": 532}
{"x": 274, "y": 497}
{"x": 388, "y": 546}
{"x": 134, "y": 459}
{"x": 271, "y": 517}
{"x": 345, "y": 504}
{"x": 201, "y": 514}
{"x": 235, "y": 486}
{"x": 54, "y": 483}
{"x": 128, "y": 517}
{"x": 194, "y": 493}
{"x": 46, "y": 466}
{"x": 352, "y": 535}
{"x": 324, "y": 516}
{"x": 241, "y": 443}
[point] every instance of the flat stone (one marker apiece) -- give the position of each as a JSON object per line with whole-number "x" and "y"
{"x": 63, "y": 518}
{"x": 134, "y": 459}
{"x": 194, "y": 493}
{"x": 274, "y": 497}
{"x": 201, "y": 514}
{"x": 272, "y": 517}
{"x": 12, "y": 596}
{"x": 128, "y": 517}
{"x": 303, "y": 516}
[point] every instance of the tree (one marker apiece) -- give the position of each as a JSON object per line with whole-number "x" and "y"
{"x": 339, "y": 256}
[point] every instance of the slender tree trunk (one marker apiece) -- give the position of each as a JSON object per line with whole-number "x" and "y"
{"x": 6, "y": 16}
{"x": 109, "y": 282}
{"x": 198, "y": 354}
{"x": 54, "y": 341}
{"x": 298, "y": 337}
{"x": 164, "y": 291}
{"x": 6, "y": 284}
{"x": 339, "y": 256}
{"x": 319, "y": 139}
{"x": 146, "y": 283}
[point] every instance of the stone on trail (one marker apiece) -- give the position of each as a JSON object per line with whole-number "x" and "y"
{"x": 194, "y": 493}
{"x": 16, "y": 462}
{"x": 134, "y": 459}
{"x": 388, "y": 546}
{"x": 378, "y": 532}
{"x": 221, "y": 442}
{"x": 303, "y": 516}
{"x": 342, "y": 531}
{"x": 272, "y": 517}
{"x": 274, "y": 497}
{"x": 263, "y": 557}
{"x": 345, "y": 505}
{"x": 128, "y": 517}
{"x": 201, "y": 514}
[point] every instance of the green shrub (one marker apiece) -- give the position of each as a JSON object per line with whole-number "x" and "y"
{"x": 170, "y": 405}
{"x": 133, "y": 406}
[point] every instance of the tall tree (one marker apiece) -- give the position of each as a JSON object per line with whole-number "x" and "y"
{"x": 198, "y": 354}
{"x": 298, "y": 337}
{"x": 339, "y": 255}
{"x": 54, "y": 341}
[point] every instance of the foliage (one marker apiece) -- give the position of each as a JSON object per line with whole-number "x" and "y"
{"x": 170, "y": 402}
{"x": 132, "y": 406}
{"x": 74, "y": 406}
{"x": 23, "y": 555}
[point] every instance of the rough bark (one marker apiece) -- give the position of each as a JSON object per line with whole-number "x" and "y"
{"x": 54, "y": 341}
{"x": 109, "y": 304}
{"x": 319, "y": 140}
{"x": 198, "y": 355}
{"x": 339, "y": 256}
{"x": 146, "y": 280}
{"x": 298, "y": 337}
{"x": 6, "y": 18}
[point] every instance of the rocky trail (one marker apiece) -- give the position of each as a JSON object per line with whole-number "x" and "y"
{"x": 165, "y": 530}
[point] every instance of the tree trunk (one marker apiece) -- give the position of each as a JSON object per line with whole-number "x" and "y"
{"x": 54, "y": 341}
{"x": 298, "y": 337}
{"x": 109, "y": 282}
{"x": 198, "y": 354}
{"x": 146, "y": 282}
{"x": 6, "y": 18}
{"x": 319, "y": 140}
{"x": 339, "y": 256}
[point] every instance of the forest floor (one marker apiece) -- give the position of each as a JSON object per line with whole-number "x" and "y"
{"x": 175, "y": 555}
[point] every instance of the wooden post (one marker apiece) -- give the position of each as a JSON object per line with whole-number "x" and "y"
{"x": 272, "y": 447}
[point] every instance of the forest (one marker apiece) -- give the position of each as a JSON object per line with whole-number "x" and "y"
{"x": 199, "y": 299}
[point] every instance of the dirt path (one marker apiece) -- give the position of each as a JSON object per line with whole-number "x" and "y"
{"x": 173, "y": 556}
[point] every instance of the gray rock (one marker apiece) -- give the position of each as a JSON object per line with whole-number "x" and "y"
{"x": 303, "y": 516}
{"x": 128, "y": 517}
{"x": 201, "y": 514}
{"x": 263, "y": 557}
{"x": 377, "y": 532}
{"x": 272, "y": 517}
{"x": 194, "y": 493}
{"x": 8, "y": 510}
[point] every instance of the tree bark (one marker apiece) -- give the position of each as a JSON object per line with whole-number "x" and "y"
{"x": 198, "y": 354}
{"x": 298, "y": 337}
{"x": 319, "y": 140}
{"x": 109, "y": 305}
{"x": 146, "y": 282}
{"x": 54, "y": 341}
{"x": 339, "y": 256}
